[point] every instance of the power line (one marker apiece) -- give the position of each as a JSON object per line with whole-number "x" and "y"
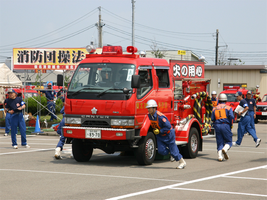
{"x": 57, "y": 30}
{"x": 150, "y": 40}
{"x": 165, "y": 31}
{"x": 60, "y": 39}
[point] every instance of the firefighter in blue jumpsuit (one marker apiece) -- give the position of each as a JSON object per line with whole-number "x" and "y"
{"x": 62, "y": 138}
{"x": 14, "y": 106}
{"x": 244, "y": 123}
{"x": 214, "y": 98}
{"x": 223, "y": 117}
{"x": 165, "y": 133}
{"x": 50, "y": 101}
{"x": 251, "y": 109}
{"x": 7, "y": 119}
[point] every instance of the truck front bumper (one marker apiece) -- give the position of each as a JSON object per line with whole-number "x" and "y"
{"x": 99, "y": 133}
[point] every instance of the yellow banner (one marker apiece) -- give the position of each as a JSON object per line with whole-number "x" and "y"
{"x": 48, "y": 56}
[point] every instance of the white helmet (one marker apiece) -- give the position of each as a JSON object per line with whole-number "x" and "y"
{"x": 151, "y": 104}
{"x": 214, "y": 92}
{"x": 222, "y": 97}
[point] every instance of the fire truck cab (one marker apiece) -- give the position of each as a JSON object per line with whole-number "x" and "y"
{"x": 230, "y": 92}
{"x": 261, "y": 111}
{"x": 105, "y": 105}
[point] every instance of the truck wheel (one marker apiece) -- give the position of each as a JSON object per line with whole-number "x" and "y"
{"x": 256, "y": 120}
{"x": 146, "y": 152}
{"x": 191, "y": 149}
{"x": 81, "y": 152}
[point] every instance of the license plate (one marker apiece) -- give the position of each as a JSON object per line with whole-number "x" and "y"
{"x": 264, "y": 113}
{"x": 93, "y": 134}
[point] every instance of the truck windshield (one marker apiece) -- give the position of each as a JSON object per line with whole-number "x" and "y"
{"x": 264, "y": 99}
{"x": 231, "y": 98}
{"x": 95, "y": 78}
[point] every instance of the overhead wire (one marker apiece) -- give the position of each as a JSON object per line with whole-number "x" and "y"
{"x": 57, "y": 30}
{"x": 62, "y": 38}
{"x": 173, "y": 32}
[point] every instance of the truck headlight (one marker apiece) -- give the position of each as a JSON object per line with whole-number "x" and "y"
{"x": 122, "y": 122}
{"x": 73, "y": 120}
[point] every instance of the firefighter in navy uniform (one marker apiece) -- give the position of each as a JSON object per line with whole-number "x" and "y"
{"x": 251, "y": 109}
{"x": 223, "y": 117}
{"x": 244, "y": 123}
{"x": 62, "y": 139}
{"x": 14, "y": 106}
{"x": 165, "y": 133}
{"x": 50, "y": 101}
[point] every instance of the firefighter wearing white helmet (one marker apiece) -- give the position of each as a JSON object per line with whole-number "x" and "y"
{"x": 214, "y": 98}
{"x": 223, "y": 118}
{"x": 165, "y": 134}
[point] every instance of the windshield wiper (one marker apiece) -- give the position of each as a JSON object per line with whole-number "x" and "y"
{"x": 87, "y": 88}
{"x": 100, "y": 94}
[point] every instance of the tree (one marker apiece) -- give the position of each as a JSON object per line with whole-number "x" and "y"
{"x": 156, "y": 52}
{"x": 38, "y": 79}
{"x": 223, "y": 58}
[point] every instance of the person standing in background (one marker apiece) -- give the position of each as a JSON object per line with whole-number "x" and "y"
{"x": 14, "y": 106}
{"x": 50, "y": 101}
{"x": 214, "y": 98}
{"x": 251, "y": 109}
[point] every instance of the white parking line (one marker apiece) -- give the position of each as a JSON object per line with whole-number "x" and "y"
{"x": 29, "y": 143}
{"x": 235, "y": 151}
{"x": 185, "y": 183}
{"x": 98, "y": 175}
{"x": 250, "y": 178}
{"x": 223, "y": 192}
{"x": 16, "y": 152}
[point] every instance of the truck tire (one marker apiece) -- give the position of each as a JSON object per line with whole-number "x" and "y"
{"x": 191, "y": 149}
{"x": 256, "y": 120}
{"x": 81, "y": 152}
{"x": 146, "y": 152}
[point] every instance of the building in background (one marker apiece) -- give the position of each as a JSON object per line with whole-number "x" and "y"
{"x": 237, "y": 75}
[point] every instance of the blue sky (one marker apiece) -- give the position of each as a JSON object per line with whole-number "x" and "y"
{"x": 170, "y": 24}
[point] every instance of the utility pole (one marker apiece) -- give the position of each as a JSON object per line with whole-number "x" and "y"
{"x": 100, "y": 25}
{"x": 217, "y": 47}
{"x": 133, "y": 22}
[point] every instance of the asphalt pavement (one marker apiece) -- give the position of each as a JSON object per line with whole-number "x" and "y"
{"x": 35, "y": 174}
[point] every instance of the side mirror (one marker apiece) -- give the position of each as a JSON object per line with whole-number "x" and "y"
{"x": 135, "y": 81}
{"x": 59, "y": 80}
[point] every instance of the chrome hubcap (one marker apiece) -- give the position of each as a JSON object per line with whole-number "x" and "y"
{"x": 194, "y": 143}
{"x": 150, "y": 148}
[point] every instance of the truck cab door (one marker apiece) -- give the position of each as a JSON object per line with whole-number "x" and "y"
{"x": 164, "y": 93}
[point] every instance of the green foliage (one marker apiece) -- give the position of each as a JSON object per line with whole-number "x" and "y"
{"x": 37, "y": 79}
{"x": 67, "y": 80}
{"x": 158, "y": 54}
{"x": 59, "y": 105}
{"x": 32, "y": 104}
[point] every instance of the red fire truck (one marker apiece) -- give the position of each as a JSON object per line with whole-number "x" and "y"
{"x": 230, "y": 92}
{"x": 105, "y": 105}
{"x": 261, "y": 112}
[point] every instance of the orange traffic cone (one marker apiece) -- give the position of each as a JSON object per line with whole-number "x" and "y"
{"x": 37, "y": 126}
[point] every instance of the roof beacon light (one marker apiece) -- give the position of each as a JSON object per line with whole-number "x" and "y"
{"x": 112, "y": 50}
{"x": 131, "y": 49}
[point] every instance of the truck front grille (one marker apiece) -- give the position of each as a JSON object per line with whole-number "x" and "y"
{"x": 101, "y": 124}
{"x": 261, "y": 108}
